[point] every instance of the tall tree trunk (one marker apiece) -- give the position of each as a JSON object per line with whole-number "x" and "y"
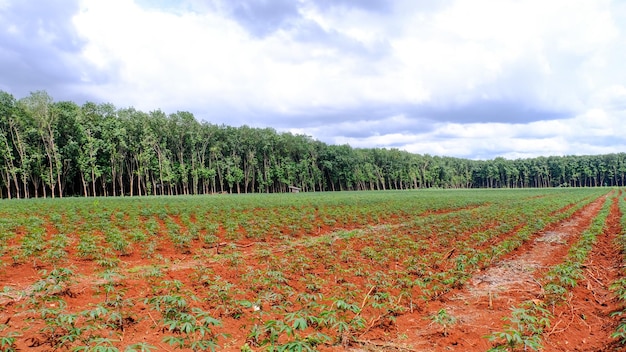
{"x": 60, "y": 185}
{"x": 120, "y": 182}
{"x": 8, "y": 184}
{"x": 93, "y": 182}
{"x": 82, "y": 178}
{"x": 113, "y": 175}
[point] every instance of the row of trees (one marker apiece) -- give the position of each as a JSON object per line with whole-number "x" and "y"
{"x": 56, "y": 149}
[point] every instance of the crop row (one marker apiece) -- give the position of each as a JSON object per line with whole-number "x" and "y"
{"x": 530, "y": 319}
{"x": 116, "y": 227}
{"x": 390, "y": 255}
{"x": 105, "y": 229}
{"x": 381, "y": 272}
{"x": 619, "y": 286}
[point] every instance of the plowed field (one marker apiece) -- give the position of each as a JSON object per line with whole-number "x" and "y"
{"x": 371, "y": 271}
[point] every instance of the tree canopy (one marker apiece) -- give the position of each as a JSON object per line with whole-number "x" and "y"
{"x": 56, "y": 149}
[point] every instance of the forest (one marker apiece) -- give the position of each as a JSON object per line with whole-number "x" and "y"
{"x": 59, "y": 148}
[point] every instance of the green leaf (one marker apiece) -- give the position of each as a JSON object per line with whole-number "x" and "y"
{"x": 300, "y": 324}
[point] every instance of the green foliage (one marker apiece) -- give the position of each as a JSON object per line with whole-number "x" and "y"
{"x": 619, "y": 286}
{"x": 444, "y": 320}
{"x": 292, "y": 285}
{"x": 88, "y": 246}
{"x": 526, "y": 325}
{"x": 7, "y": 339}
{"x": 55, "y": 283}
{"x": 101, "y": 150}
{"x": 189, "y": 327}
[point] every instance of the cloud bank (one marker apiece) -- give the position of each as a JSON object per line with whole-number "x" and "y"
{"x": 474, "y": 79}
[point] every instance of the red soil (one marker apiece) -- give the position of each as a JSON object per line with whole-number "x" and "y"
{"x": 584, "y": 323}
{"x": 478, "y": 306}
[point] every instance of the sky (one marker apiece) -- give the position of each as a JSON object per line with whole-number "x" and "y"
{"x": 474, "y": 79}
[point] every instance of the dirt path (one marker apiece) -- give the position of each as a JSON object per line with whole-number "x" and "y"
{"x": 584, "y": 324}
{"x": 479, "y": 307}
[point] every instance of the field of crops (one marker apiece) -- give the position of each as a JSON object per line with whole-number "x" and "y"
{"x": 312, "y": 271}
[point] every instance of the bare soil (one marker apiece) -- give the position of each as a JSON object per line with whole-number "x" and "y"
{"x": 583, "y": 324}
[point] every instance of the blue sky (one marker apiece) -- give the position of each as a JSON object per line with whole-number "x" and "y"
{"x": 474, "y": 79}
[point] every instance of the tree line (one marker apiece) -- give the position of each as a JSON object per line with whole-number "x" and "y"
{"x": 57, "y": 149}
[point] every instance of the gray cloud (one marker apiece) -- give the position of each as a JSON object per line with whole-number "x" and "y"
{"x": 323, "y": 116}
{"x": 381, "y": 127}
{"x": 489, "y": 111}
{"x": 445, "y": 77}
{"x": 370, "y": 120}
{"x": 36, "y": 39}
{"x": 310, "y": 32}
{"x": 380, "y": 6}
{"x": 471, "y": 112}
{"x": 602, "y": 141}
{"x": 263, "y": 17}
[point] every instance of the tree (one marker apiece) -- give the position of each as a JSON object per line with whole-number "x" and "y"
{"x": 9, "y": 133}
{"x": 40, "y": 107}
{"x": 59, "y": 148}
{"x": 91, "y": 146}
{"x": 114, "y": 137}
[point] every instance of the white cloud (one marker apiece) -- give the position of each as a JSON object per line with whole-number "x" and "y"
{"x": 162, "y": 57}
{"x": 459, "y": 54}
{"x": 543, "y": 57}
{"x": 576, "y": 135}
{"x": 472, "y": 47}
